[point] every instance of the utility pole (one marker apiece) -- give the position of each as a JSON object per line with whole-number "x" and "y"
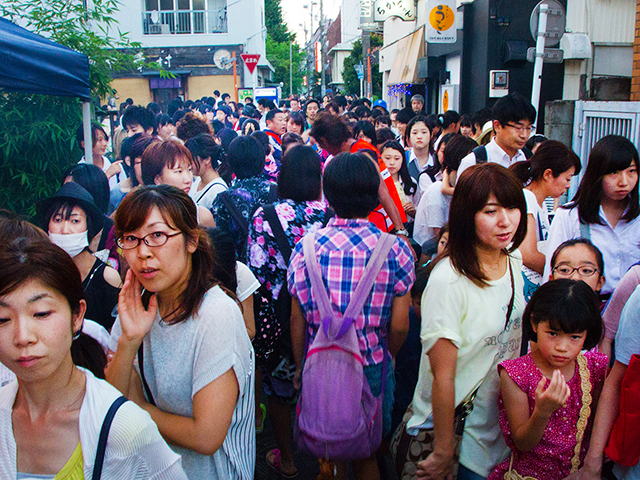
{"x": 290, "y": 69}
{"x": 323, "y": 37}
{"x": 366, "y": 46}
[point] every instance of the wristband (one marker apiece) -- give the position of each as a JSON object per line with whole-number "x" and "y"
{"x": 402, "y": 232}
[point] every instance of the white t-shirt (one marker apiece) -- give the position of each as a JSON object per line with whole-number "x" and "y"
{"x": 181, "y": 359}
{"x": 495, "y": 154}
{"x": 627, "y": 344}
{"x": 135, "y": 449}
{"x": 247, "y": 282}
{"x": 114, "y": 180}
{"x": 432, "y": 212}
{"x": 473, "y": 319}
{"x": 620, "y": 246}
{"x": 541, "y": 217}
{"x": 207, "y": 194}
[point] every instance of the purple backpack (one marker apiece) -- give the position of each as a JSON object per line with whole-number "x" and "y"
{"x": 337, "y": 417}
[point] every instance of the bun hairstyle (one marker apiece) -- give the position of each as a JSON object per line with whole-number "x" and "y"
{"x": 550, "y": 155}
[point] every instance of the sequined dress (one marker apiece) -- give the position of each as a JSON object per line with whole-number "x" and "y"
{"x": 551, "y": 458}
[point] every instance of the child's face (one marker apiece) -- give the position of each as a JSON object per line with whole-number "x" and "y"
{"x": 557, "y": 347}
{"x": 442, "y": 243}
{"x": 419, "y": 136}
{"x": 392, "y": 159}
{"x": 584, "y": 264}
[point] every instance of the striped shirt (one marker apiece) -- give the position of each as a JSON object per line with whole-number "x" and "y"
{"x": 343, "y": 250}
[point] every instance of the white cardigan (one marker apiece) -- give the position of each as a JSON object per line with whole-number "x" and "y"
{"x": 135, "y": 449}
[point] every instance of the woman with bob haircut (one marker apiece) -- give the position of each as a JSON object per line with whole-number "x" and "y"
{"x": 299, "y": 211}
{"x": 605, "y": 209}
{"x": 546, "y": 174}
{"x": 194, "y": 358}
{"x": 471, "y": 321}
{"x": 169, "y": 162}
{"x": 51, "y": 417}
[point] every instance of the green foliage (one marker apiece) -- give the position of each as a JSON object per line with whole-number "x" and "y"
{"x": 37, "y": 144}
{"x": 278, "y": 55}
{"x": 279, "y": 38}
{"x": 274, "y": 23}
{"x": 37, "y": 133}
{"x": 351, "y": 82}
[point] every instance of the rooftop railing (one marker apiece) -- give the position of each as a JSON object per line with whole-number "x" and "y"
{"x": 184, "y": 22}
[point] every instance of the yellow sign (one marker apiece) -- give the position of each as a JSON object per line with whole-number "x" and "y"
{"x": 445, "y": 101}
{"x": 441, "y": 18}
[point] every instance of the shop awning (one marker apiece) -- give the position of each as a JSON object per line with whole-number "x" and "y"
{"x": 405, "y": 64}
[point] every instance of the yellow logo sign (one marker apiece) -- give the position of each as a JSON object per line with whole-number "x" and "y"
{"x": 441, "y": 18}
{"x": 445, "y": 101}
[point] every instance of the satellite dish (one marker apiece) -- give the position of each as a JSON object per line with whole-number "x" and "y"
{"x": 222, "y": 59}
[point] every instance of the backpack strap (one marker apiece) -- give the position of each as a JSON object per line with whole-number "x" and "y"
{"x": 361, "y": 293}
{"x": 276, "y": 227}
{"x": 585, "y": 231}
{"x": 225, "y": 197}
{"x": 481, "y": 154}
{"x": 104, "y": 435}
{"x": 272, "y": 196}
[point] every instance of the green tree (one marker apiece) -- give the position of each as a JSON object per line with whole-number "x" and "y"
{"x": 37, "y": 132}
{"x": 351, "y": 82}
{"x": 279, "y": 38}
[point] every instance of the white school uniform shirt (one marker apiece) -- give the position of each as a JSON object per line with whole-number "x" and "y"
{"x": 114, "y": 180}
{"x": 423, "y": 181}
{"x": 620, "y": 246}
{"x": 135, "y": 449}
{"x": 432, "y": 212}
{"x": 495, "y": 154}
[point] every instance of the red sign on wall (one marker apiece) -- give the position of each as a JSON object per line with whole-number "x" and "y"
{"x": 251, "y": 61}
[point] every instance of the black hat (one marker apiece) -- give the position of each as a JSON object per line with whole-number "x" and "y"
{"x": 73, "y": 193}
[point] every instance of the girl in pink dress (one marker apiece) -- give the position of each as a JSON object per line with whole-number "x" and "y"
{"x": 546, "y": 397}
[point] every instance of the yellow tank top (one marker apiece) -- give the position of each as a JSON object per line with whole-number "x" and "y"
{"x": 74, "y": 468}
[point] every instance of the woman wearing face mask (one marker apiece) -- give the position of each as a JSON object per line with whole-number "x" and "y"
{"x": 72, "y": 220}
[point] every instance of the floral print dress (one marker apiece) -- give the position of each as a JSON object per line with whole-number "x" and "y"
{"x": 247, "y": 194}
{"x": 265, "y": 259}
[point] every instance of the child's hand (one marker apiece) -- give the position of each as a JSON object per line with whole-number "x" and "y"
{"x": 554, "y": 397}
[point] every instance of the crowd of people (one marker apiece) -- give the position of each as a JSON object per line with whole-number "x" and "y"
{"x": 377, "y": 284}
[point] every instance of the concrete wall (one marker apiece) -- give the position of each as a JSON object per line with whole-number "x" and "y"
{"x": 200, "y": 86}
{"x": 559, "y": 121}
{"x": 135, "y": 88}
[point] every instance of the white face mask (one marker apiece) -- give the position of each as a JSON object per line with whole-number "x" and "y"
{"x": 72, "y": 243}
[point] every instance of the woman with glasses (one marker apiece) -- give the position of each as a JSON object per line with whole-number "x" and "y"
{"x": 578, "y": 259}
{"x": 605, "y": 209}
{"x": 195, "y": 363}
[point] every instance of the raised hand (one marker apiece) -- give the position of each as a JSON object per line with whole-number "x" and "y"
{"x": 555, "y": 396}
{"x": 135, "y": 320}
{"x": 114, "y": 169}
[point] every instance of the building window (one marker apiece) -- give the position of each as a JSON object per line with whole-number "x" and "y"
{"x": 166, "y": 17}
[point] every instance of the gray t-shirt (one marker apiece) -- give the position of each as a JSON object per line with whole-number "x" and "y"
{"x": 181, "y": 359}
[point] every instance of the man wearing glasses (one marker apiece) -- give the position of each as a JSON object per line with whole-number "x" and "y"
{"x": 513, "y": 118}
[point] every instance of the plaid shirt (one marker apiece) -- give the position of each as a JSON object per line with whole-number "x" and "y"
{"x": 343, "y": 250}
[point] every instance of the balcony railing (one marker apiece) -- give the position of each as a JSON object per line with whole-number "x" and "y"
{"x": 182, "y": 22}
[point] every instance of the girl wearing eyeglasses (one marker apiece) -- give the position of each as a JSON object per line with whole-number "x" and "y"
{"x": 604, "y": 210}
{"x": 187, "y": 348}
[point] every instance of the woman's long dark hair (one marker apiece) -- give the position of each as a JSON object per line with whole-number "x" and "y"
{"x": 432, "y": 170}
{"x": 408, "y": 185}
{"x": 473, "y": 189}
{"x": 610, "y": 154}
{"x": 180, "y": 213}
